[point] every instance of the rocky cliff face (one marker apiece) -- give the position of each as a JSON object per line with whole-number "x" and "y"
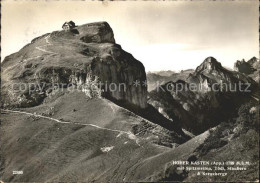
{"x": 71, "y": 58}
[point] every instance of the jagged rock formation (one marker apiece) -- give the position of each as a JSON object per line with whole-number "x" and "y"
{"x": 68, "y": 57}
{"x": 250, "y": 67}
{"x": 245, "y": 67}
{"x": 202, "y": 101}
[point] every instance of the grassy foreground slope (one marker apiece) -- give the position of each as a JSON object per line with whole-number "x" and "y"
{"x": 95, "y": 140}
{"x": 71, "y": 150}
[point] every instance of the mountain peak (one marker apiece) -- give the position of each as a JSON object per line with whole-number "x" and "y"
{"x": 210, "y": 59}
{"x": 209, "y": 64}
{"x": 99, "y": 32}
{"x": 69, "y": 56}
{"x": 96, "y": 32}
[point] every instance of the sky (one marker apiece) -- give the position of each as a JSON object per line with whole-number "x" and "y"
{"x": 163, "y": 35}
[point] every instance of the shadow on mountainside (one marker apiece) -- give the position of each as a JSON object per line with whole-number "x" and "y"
{"x": 151, "y": 114}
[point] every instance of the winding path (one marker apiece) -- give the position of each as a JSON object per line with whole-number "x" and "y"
{"x": 47, "y": 44}
{"x": 40, "y": 48}
{"x": 130, "y": 135}
{"x": 66, "y": 122}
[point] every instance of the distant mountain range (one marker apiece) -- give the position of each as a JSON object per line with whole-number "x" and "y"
{"x": 155, "y": 79}
{"x": 163, "y": 73}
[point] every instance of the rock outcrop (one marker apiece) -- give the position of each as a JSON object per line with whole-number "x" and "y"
{"x": 96, "y": 32}
{"x": 70, "y": 57}
{"x": 250, "y": 67}
{"x": 245, "y": 67}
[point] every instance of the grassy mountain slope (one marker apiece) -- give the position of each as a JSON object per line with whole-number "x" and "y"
{"x": 67, "y": 151}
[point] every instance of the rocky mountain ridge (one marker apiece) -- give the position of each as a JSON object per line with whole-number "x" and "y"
{"x": 204, "y": 106}
{"x": 211, "y": 71}
{"x": 69, "y": 57}
{"x": 250, "y": 68}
